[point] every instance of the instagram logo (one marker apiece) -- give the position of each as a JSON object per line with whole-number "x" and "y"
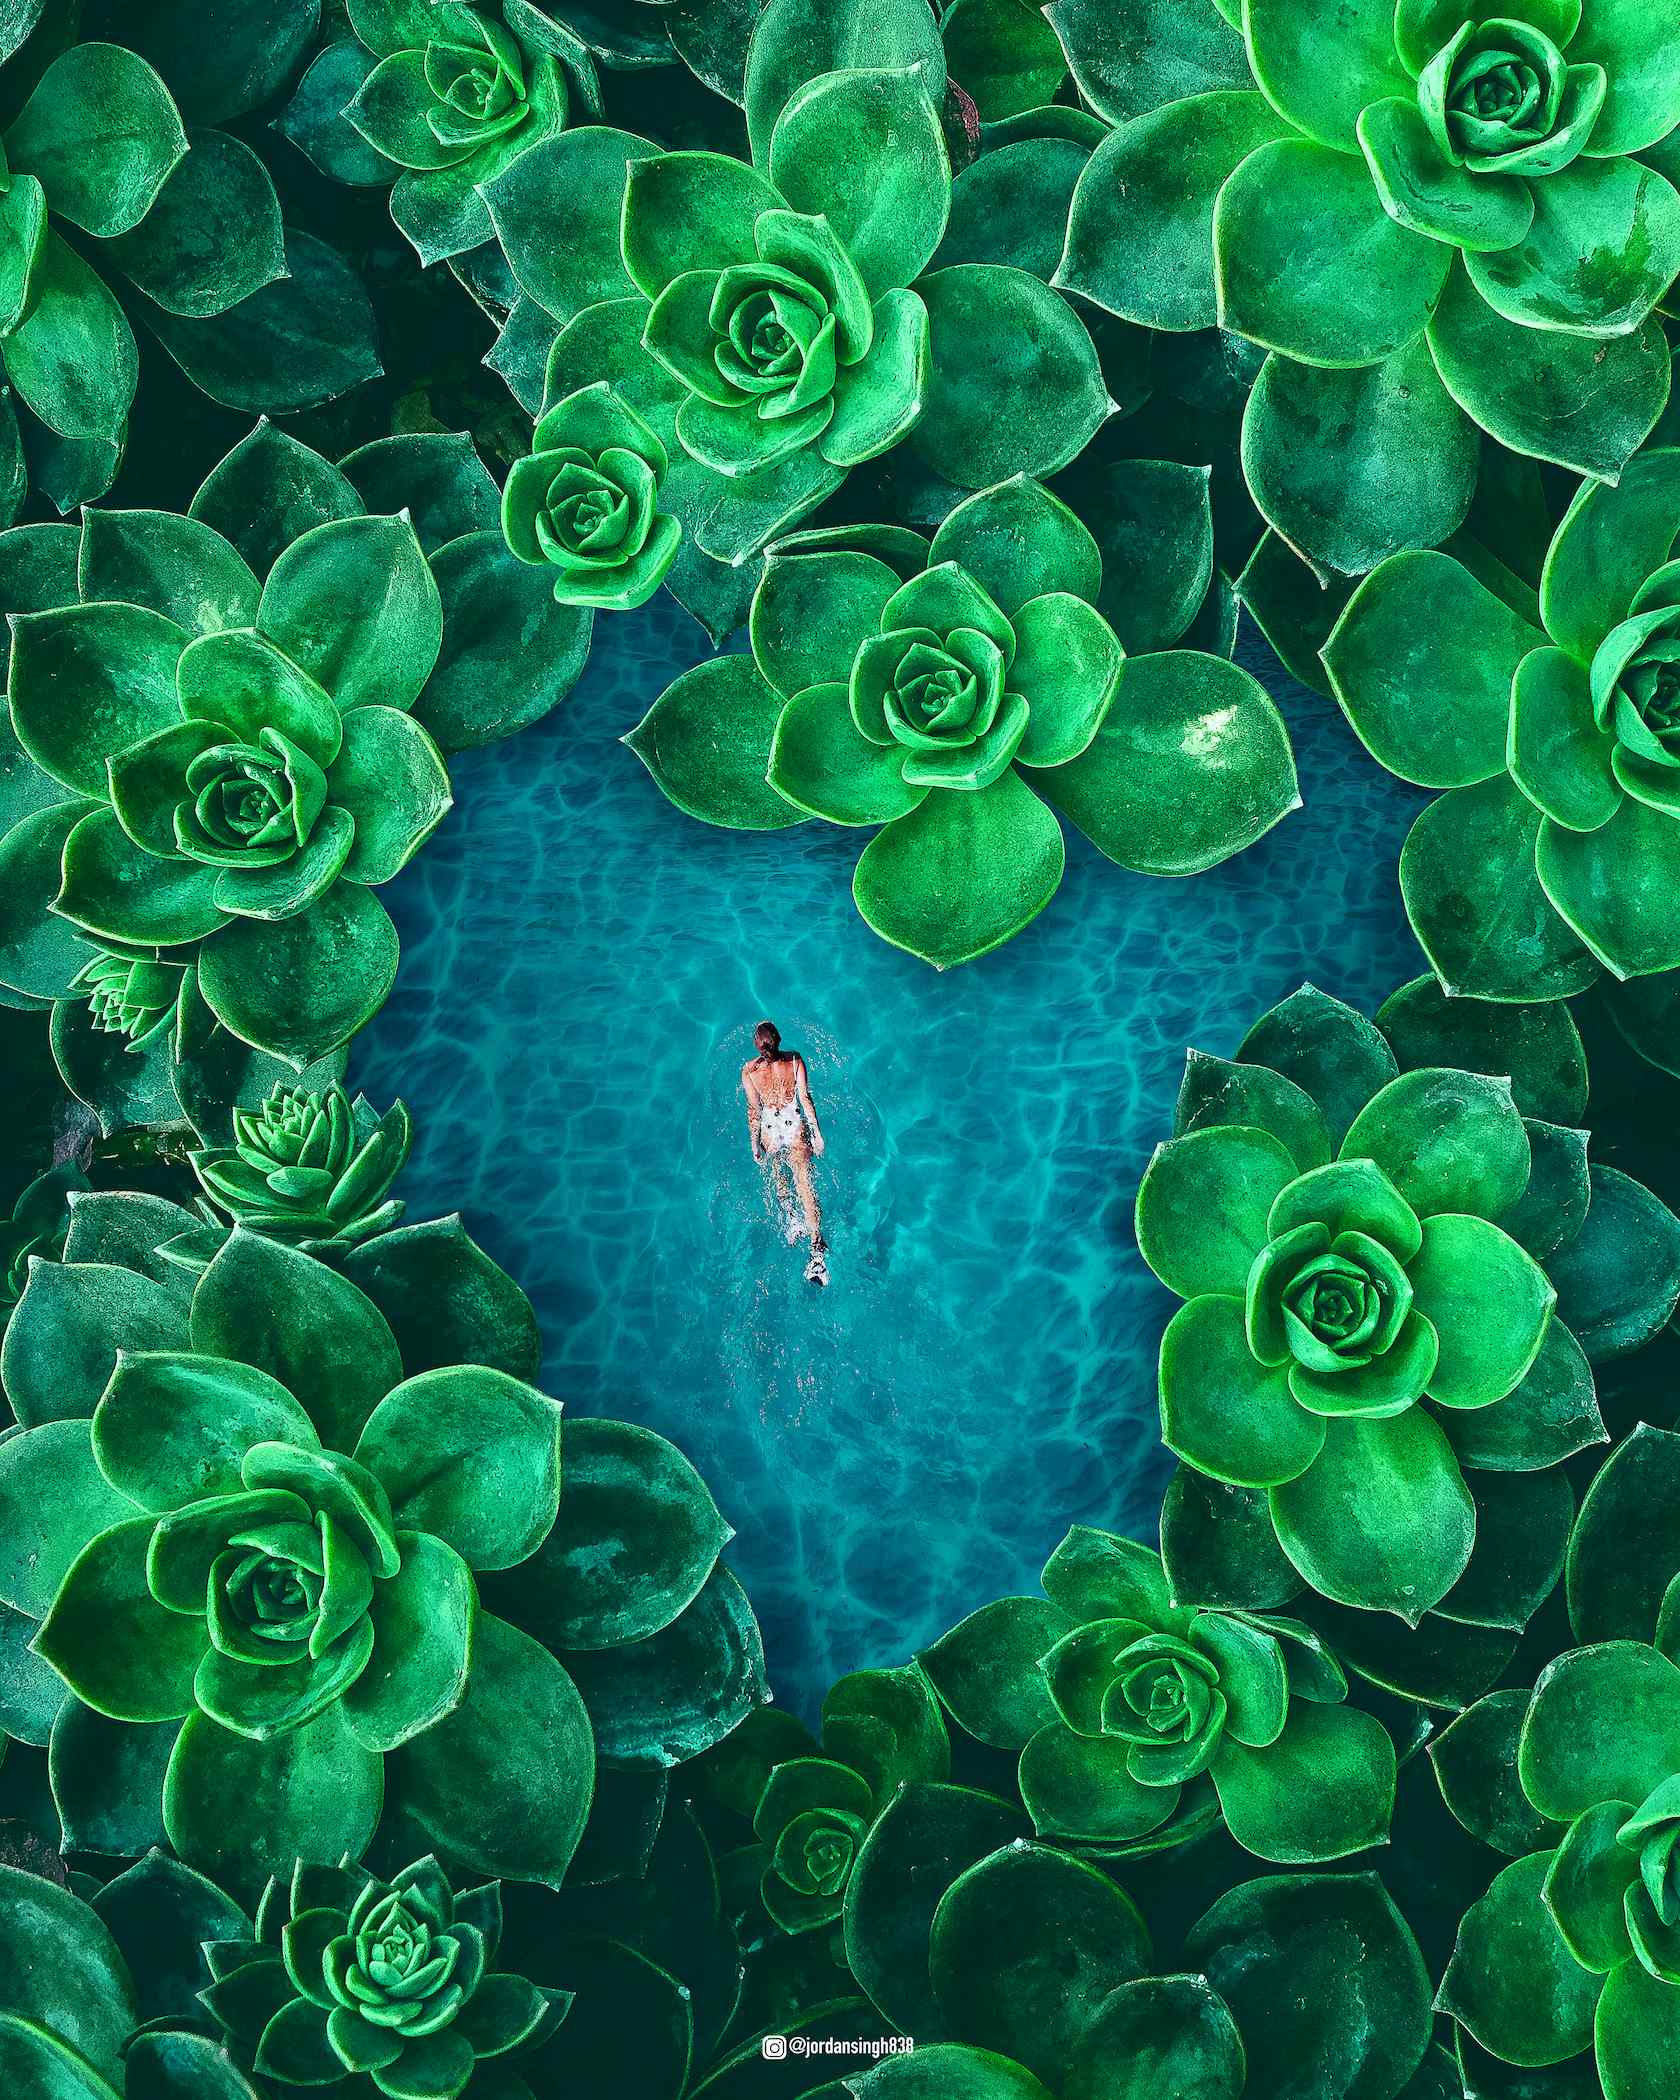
{"x": 774, "y": 2048}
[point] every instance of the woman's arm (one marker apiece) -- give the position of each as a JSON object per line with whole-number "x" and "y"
{"x": 752, "y": 1111}
{"x": 802, "y": 1086}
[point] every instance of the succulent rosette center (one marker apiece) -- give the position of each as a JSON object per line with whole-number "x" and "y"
{"x": 934, "y": 682}
{"x": 1635, "y": 679}
{"x": 393, "y": 1970}
{"x": 1337, "y": 1301}
{"x": 284, "y": 1575}
{"x": 1652, "y": 1909}
{"x": 478, "y": 79}
{"x": 585, "y": 502}
{"x": 811, "y": 1818}
{"x": 815, "y": 1852}
{"x": 249, "y": 805}
{"x": 1499, "y": 98}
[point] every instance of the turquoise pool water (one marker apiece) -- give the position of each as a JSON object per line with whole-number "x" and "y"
{"x": 581, "y": 970}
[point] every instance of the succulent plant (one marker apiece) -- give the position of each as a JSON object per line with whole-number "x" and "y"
{"x": 1367, "y": 1256}
{"x": 311, "y": 1167}
{"x": 247, "y": 1534}
{"x": 435, "y": 100}
{"x": 775, "y": 322}
{"x": 395, "y": 1980}
{"x": 585, "y": 503}
{"x": 959, "y": 707}
{"x": 811, "y": 1803}
{"x": 1504, "y": 182}
{"x": 1119, "y": 1698}
{"x": 1573, "y": 1948}
{"x": 1550, "y": 856}
{"x": 219, "y": 761}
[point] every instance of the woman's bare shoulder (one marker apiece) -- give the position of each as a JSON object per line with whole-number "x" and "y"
{"x": 747, "y": 1071}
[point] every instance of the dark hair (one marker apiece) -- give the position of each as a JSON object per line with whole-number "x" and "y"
{"x": 768, "y": 1038}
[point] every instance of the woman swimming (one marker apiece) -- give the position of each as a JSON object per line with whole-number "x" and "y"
{"x": 782, "y": 1126}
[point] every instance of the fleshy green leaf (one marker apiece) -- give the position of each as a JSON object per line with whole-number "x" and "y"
{"x": 1352, "y": 467}
{"x": 963, "y": 872}
{"x": 277, "y": 1309}
{"x": 1381, "y": 1519}
{"x": 1306, "y": 260}
{"x": 636, "y": 1540}
{"x": 1422, "y": 623}
{"x": 522, "y": 1722}
{"x": 986, "y": 1669}
{"x": 1468, "y": 876}
{"x": 1203, "y": 1204}
{"x": 1140, "y": 228}
{"x": 241, "y": 1811}
{"x": 472, "y": 1456}
{"x": 865, "y": 149}
{"x": 1192, "y": 765}
{"x": 1033, "y": 1997}
{"x": 1512, "y": 1981}
{"x": 1604, "y": 1726}
{"x": 1584, "y": 402}
{"x": 1015, "y": 385}
{"x": 100, "y": 133}
{"x": 706, "y": 741}
{"x": 1324, "y": 1789}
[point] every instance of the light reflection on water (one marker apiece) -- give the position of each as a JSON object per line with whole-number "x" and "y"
{"x": 581, "y": 970}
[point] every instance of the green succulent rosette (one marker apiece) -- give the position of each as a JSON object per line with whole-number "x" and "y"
{"x": 226, "y": 731}
{"x": 316, "y": 1572}
{"x": 776, "y": 322}
{"x": 810, "y": 1802}
{"x": 396, "y": 1981}
{"x": 1577, "y": 1947}
{"x": 1140, "y": 1720}
{"x": 1504, "y": 182}
{"x": 434, "y": 99}
{"x": 1551, "y": 856}
{"x": 584, "y": 503}
{"x": 959, "y": 695}
{"x": 1378, "y": 1264}
{"x": 310, "y": 1167}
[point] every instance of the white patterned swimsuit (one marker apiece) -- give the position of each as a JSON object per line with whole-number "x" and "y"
{"x": 780, "y": 1125}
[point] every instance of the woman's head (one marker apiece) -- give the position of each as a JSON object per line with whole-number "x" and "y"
{"x": 768, "y": 1038}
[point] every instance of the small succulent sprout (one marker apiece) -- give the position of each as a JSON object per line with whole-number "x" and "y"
{"x": 394, "y": 1980}
{"x": 585, "y": 502}
{"x": 312, "y": 1167}
{"x": 129, "y": 995}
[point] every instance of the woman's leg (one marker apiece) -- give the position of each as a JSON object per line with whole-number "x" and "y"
{"x": 799, "y": 1158}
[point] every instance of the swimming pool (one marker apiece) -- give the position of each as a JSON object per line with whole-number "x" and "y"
{"x": 581, "y": 970}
